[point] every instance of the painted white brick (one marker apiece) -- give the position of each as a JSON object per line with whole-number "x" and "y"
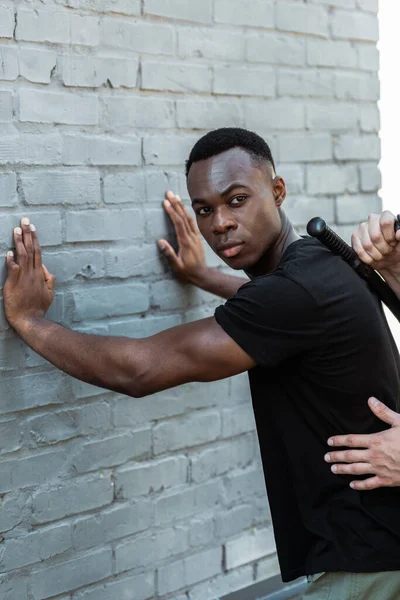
{"x": 98, "y": 150}
{"x": 8, "y": 189}
{"x": 302, "y": 18}
{"x": 369, "y": 118}
{"x": 293, "y": 176}
{"x": 248, "y": 548}
{"x": 84, "y": 30}
{"x": 211, "y": 43}
{"x": 189, "y": 570}
{"x": 206, "y": 113}
{"x": 332, "y": 179}
{"x": 355, "y": 26}
{"x": 220, "y": 459}
{"x": 95, "y": 71}
{"x": 368, "y": 57}
{"x": 50, "y": 26}
{"x": 304, "y": 148}
{"x": 332, "y": 116}
{"x": 147, "y": 477}
{"x": 276, "y": 49}
{"x": 6, "y": 108}
{"x": 55, "y": 107}
{"x": 149, "y": 38}
{"x": 368, "y": 5}
{"x": 351, "y": 209}
{"x": 244, "y": 81}
{"x": 61, "y": 187}
{"x": 36, "y": 65}
{"x": 275, "y": 114}
{"x": 125, "y": 7}
{"x": 329, "y": 53}
{"x": 370, "y": 177}
{"x": 6, "y": 22}
{"x": 175, "y": 77}
{"x": 9, "y": 69}
{"x": 139, "y": 112}
{"x": 192, "y": 430}
{"x": 103, "y": 225}
{"x": 236, "y": 12}
{"x": 303, "y": 208}
{"x": 351, "y": 86}
{"x": 180, "y": 9}
{"x": 305, "y": 83}
{"x": 171, "y": 149}
{"x": 352, "y": 147}
{"x": 124, "y": 187}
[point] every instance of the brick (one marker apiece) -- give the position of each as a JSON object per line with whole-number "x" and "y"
{"x": 332, "y": 179}
{"x": 369, "y": 118}
{"x": 350, "y": 209}
{"x": 180, "y": 9}
{"x": 303, "y": 208}
{"x": 32, "y": 470}
{"x": 10, "y": 435}
{"x": 31, "y": 390}
{"x": 6, "y": 22}
{"x": 71, "y": 575}
{"x": 30, "y": 149}
{"x": 211, "y": 43}
{"x": 139, "y": 328}
{"x": 183, "y": 504}
{"x": 47, "y": 223}
{"x": 99, "y": 150}
{"x": 207, "y": 113}
{"x": 36, "y": 65}
{"x": 293, "y": 176}
{"x": 84, "y": 30}
{"x": 133, "y": 261}
{"x": 43, "y": 26}
{"x": 147, "y": 477}
{"x": 55, "y": 107}
{"x": 125, "y": 7}
{"x": 304, "y": 148}
{"x": 146, "y": 112}
{"x": 12, "y": 588}
{"x": 191, "y": 430}
{"x": 305, "y": 83}
{"x": 8, "y": 189}
{"x": 234, "y": 521}
{"x": 363, "y": 147}
{"x": 337, "y": 3}
{"x": 111, "y": 524}
{"x": 331, "y": 116}
{"x": 302, "y": 18}
{"x": 148, "y": 38}
{"x": 116, "y": 300}
{"x": 36, "y": 546}
{"x": 370, "y": 177}
{"x": 220, "y": 459}
{"x": 175, "y": 77}
{"x": 94, "y": 71}
{"x": 368, "y": 5}
{"x": 355, "y": 26}
{"x": 368, "y": 57}
{"x": 9, "y": 67}
{"x": 356, "y": 87}
{"x": 268, "y": 567}
{"x": 124, "y": 187}
{"x": 275, "y": 114}
{"x": 201, "y": 531}
{"x": 77, "y": 496}
{"x": 103, "y": 225}
{"x": 189, "y": 570}
{"x": 236, "y": 580}
{"x": 238, "y": 420}
{"x": 11, "y": 354}
{"x": 236, "y": 12}
{"x": 112, "y": 451}
{"x": 247, "y": 548}
{"x": 5, "y": 107}
{"x": 79, "y": 264}
{"x": 67, "y": 187}
{"x": 143, "y": 586}
{"x": 245, "y": 485}
{"x": 66, "y": 424}
{"x": 170, "y": 294}
{"x": 244, "y": 81}
{"x": 330, "y": 53}
{"x": 276, "y": 49}
{"x": 171, "y": 149}
{"x": 13, "y": 511}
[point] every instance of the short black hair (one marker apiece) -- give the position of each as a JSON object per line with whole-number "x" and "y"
{"x": 223, "y": 139}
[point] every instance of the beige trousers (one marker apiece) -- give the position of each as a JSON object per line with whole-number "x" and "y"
{"x": 353, "y": 586}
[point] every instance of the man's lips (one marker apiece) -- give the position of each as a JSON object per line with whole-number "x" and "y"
{"x": 230, "y": 249}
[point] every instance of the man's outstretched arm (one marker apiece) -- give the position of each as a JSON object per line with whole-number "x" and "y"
{"x": 199, "y": 351}
{"x": 189, "y": 263}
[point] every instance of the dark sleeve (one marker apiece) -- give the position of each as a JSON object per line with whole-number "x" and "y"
{"x": 271, "y": 318}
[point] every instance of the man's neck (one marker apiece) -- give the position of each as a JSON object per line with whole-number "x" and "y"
{"x": 271, "y": 259}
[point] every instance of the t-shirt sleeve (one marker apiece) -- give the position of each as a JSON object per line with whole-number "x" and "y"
{"x": 271, "y": 318}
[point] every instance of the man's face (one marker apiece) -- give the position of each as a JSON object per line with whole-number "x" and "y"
{"x": 236, "y": 206}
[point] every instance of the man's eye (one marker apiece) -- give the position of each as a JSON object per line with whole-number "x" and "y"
{"x": 238, "y": 200}
{"x": 204, "y": 211}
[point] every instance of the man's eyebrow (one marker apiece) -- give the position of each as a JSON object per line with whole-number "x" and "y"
{"x": 230, "y": 188}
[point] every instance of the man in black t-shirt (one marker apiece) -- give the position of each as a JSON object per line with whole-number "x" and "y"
{"x": 305, "y": 327}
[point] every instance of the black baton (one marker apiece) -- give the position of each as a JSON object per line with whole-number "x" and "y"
{"x": 319, "y": 229}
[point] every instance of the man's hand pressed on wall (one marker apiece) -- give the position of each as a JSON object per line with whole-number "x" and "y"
{"x": 377, "y": 454}
{"x": 29, "y": 288}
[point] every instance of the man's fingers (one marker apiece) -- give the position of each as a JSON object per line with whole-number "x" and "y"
{"x": 371, "y": 483}
{"x": 20, "y": 250}
{"x": 383, "y": 412}
{"x": 27, "y": 240}
{"x": 169, "y": 252}
{"x": 386, "y": 223}
{"x": 351, "y": 440}
{"x": 346, "y": 456}
{"x": 181, "y": 215}
{"x": 13, "y": 268}
{"x": 177, "y": 221}
{"x": 378, "y": 235}
{"x": 37, "y": 252}
{"x": 353, "y": 469}
{"x": 49, "y": 279}
{"x": 368, "y": 244}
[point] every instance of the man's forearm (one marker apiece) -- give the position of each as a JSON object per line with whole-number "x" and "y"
{"x": 98, "y": 360}
{"x": 220, "y": 284}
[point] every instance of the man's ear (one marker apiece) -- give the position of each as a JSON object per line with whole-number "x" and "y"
{"x": 279, "y": 188}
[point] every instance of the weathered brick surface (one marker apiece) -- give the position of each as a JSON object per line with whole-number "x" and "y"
{"x": 104, "y": 496}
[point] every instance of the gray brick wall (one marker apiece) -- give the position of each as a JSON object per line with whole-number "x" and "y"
{"x": 102, "y": 496}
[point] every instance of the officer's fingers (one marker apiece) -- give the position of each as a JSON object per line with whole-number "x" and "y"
{"x": 13, "y": 268}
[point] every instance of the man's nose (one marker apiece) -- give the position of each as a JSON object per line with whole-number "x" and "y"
{"x": 223, "y": 221}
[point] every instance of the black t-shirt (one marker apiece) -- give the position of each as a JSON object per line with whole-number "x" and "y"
{"x": 322, "y": 347}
